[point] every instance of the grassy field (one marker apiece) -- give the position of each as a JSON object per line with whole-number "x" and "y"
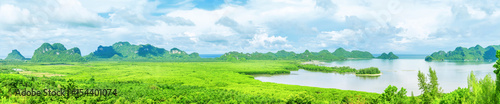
{"x": 167, "y": 82}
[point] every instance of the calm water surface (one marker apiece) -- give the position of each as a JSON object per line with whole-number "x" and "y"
{"x": 399, "y": 72}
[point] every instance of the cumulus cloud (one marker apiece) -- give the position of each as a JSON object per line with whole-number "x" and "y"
{"x": 263, "y": 40}
{"x": 10, "y": 14}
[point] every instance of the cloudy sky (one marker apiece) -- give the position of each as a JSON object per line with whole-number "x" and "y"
{"x": 219, "y": 26}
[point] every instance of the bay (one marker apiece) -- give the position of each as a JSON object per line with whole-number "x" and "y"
{"x": 398, "y": 72}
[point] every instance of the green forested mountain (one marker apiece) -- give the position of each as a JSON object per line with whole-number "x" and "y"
{"x": 388, "y": 56}
{"x": 476, "y": 53}
{"x": 15, "y": 55}
{"x": 339, "y": 54}
{"x": 56, "y": 53}
{"x": 127, "y": 51}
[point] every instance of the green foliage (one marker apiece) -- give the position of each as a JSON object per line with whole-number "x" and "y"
{"x": 311, "y": 67}
{"x": 15, "y": 55}
{"x": 497, "y": 74}
{"x": 430, "y": 90}
{"x": 356, "y": 99}
{"x": 459, "y": 96}
{"x": 300, "y": 98}
{"x": 483, "y": 91}
{"x": 370, "y": 70}
{"x": 56, "y": 53}
{"x": 171, "y": 82}
{"x": 291, "y": 67}
{"x": 393, "y": 96}
{"x": 388, "y": 56}
{"x": 476, "y": 53}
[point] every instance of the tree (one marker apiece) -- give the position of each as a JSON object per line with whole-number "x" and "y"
{"x": 431, "y": 90}
{"x": 497, "y": 73}
{"x": 392, "y": 95}
{"x": 434, "y": 85}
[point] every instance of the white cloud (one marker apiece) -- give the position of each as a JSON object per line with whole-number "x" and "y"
{"x": 71, "y": 11}
{"x": 376, "y": 26}
{"x": 341, "y": 37}
{"x": 10, "y": 14}
{"x": 263, "y": 40}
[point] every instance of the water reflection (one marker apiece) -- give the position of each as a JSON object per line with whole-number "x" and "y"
{"x": 368, "y": 77}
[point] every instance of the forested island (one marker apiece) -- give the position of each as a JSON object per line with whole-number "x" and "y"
{"x": 476, "y": 53}
{"x": 388, "y": 56}
{"x": 312, "y": 67}
{"x": 371, "y": 71}
{"x": 338, "y": 54}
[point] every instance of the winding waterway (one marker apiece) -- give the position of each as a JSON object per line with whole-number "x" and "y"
{"x": 399, "y": 72}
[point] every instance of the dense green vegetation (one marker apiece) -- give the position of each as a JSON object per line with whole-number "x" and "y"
{"x": 311, "y": 67}
{"x": 169, "y": 82}
{"x": 476, "y": 53}
{"x": 430, "y": 89}
{"x": 338, "y": 54}
{"x": 124, "y": 51}
{"x": 388, "y": 56}
{"x": 56, "y": 53}
{"x": 391, "y": 95}
{"x": 370, "y": 70}
{"x": 15, "y": 55}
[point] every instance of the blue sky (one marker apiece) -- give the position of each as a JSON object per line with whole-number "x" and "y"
{"x": 219, "y": 26}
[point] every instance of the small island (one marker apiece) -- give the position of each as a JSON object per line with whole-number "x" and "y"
{"x": 388, "y": 56}
{"x": 371, "y": 71}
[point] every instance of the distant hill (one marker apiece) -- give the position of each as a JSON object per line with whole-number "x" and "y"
{"x": 127, "y": 51}
{"x": 57, "y": 53}
{"x": 476, "y": 53}
{"x": 388, "y": 56}
{"x": 342, "y": 53}
{"x": 338, "y": 54}
{"x": 15, "y": 55}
